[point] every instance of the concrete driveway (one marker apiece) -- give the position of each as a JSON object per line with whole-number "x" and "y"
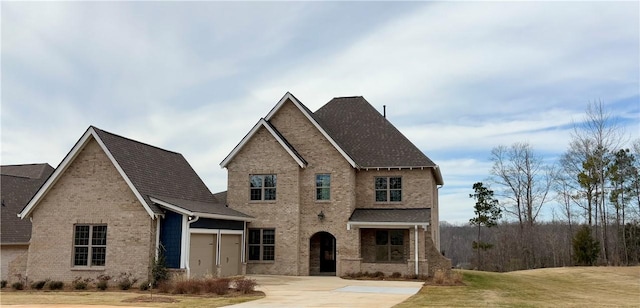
{"x": 316, "y": 291}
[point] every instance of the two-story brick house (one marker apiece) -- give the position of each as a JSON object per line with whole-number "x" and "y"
{"x": 335, "y": 191}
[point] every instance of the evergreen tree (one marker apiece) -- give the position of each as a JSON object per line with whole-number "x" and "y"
{"x": 585, "y": 247}
{"x": 487, "y": 212}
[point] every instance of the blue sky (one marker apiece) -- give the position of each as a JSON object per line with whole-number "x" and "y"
{"x": 458, "y": 78}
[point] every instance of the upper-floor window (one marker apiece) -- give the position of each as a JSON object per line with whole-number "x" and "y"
{"x": 262, "y": 244}
{"x": 90, "y": 245}
{"x": 388, "y": 189}
{"x": 323, "y": 187}
{"x": 263, "y": 187}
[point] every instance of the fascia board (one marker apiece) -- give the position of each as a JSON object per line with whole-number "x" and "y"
{"x": 243, "y": 142}
{"x": 90, "y": 133}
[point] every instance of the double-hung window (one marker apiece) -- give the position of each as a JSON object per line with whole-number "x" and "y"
{"x": 388, "y": 189}
{"x": 90, "y": 245}
{"x": 390, "y": 246}
{"x": 323, "y": 187}
{"x": 263, "y": 187}
{"x": 262, "y": 244}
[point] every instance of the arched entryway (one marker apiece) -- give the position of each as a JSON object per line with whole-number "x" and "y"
{"x": 322, "y": 254}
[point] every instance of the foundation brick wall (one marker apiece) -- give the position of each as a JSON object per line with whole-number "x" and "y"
{"x": 90, "y": 191}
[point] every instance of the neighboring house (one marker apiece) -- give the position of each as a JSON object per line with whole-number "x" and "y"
{"x": 114, "y": 203}
{"x": 18, "y": 184}
{"x": 336, "y": 191}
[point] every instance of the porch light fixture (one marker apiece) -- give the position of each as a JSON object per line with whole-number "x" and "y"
{"x": 321, "y": 215}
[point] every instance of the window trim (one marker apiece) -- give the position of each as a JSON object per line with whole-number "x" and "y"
{"x": 389, "y": 246}
{"x": 261, "y": 245}
{"x": 323, "y": 187}
{"x": 387, "y": 190}
{"x": 90, "y": 246}
{"x": 263, "y": 188}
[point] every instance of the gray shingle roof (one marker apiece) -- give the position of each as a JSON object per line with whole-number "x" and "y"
{"x": 202, "y": 207}
{"x": 420, "y": 215}
{"x": 157, "y": 172}
{"x": 368, "y": 137}
{"x": 17, "y": 185}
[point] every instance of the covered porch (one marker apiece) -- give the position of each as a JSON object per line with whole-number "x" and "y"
{"x": 391, "y": 240}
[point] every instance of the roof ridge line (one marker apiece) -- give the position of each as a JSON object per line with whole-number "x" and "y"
{"x": 136, "y": 141}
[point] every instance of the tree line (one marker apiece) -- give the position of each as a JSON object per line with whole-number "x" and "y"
{"x": 593, "y": 189}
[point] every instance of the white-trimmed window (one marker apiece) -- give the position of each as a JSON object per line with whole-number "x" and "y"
{"x": 262, "y": 244}
{"x": 89, "y": 245}
{"x": 390, "y": 246}
{"x": 262, "y": 187}
{"x": 323, "y": 187}
{"x": 388, "y": 189}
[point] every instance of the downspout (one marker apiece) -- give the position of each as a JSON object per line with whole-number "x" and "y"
{"x": 243, "y": 248}
{"x": 415, "y": 242}
{"x": 157, "y": 236}
{"x": 218, "y": 248}
{"x": 187, "y": 265}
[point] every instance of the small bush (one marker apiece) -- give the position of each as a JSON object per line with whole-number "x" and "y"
{"x": 218, "y": 286}
{"x": 159, "y": 271}
{"x": 396, "y": 275}
{"x": 165, "y": 287}
{"x": 81, "y": 284}
{"x": 126, "y": 281}
{"x": 3, "y": 284}
{"x": 245, "y": 285}
{"x": 56, "y": 285}
{"x": 103, "y": 282}
{"x": 38, "y": 285}
{"x": 439, "y": 277}
{"x": 144, "y": 286}
{"x": 411, "y": 276}
{"x": 378, "y": 274}
{"x": 102, "y": 285}
{"x": 17, "y": 285}
{"x": 187, "y": 286}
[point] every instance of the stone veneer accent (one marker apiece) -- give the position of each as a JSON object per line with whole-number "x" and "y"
{"x": 90, "y": 191}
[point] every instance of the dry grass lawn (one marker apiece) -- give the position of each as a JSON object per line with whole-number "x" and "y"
{"x": 64, "y": 298}
{"x": 551, "y": 287}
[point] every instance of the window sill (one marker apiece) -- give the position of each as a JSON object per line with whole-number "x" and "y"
{"x": 262, "y": 201}
{"x": 323, "y": 201}
{"x": 261, "y": 262}
{"x": 388, "y": 202}
{"x": 89, "y": 269}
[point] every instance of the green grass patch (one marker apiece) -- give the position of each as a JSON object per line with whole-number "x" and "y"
{"x": 553, "y": 287}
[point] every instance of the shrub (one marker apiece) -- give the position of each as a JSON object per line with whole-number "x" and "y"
{"x": 103, "y": 282}
{"x": 81, "y": 284}
{"x": 245, "y": 285}
{"x": 439, "y": 277}
{"x": 218, "y": 286}
{"x": 144, "y": 286}
{"x": 3, "y": 284}
{"x": 56, "y": 285}
{"x": 18, "y": 285}
{"x": 396, "y": 275}
{"x": 38, "y": 285}
{"x": 164, "y": 287}
{"x": 159, "y": 271}
{"x": 378, "y": 274}
{"x": 102, "y": 285}
{"x": 411, "y": 276}
{"x": 187, "y": 286}
{"x": 585, "y": 248}
{"x": 125, "y": 281}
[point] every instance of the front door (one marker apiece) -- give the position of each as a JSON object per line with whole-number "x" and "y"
{"x": 327, "y": 253}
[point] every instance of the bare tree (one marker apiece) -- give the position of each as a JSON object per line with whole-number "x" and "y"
{"x": 526, "y": 182}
